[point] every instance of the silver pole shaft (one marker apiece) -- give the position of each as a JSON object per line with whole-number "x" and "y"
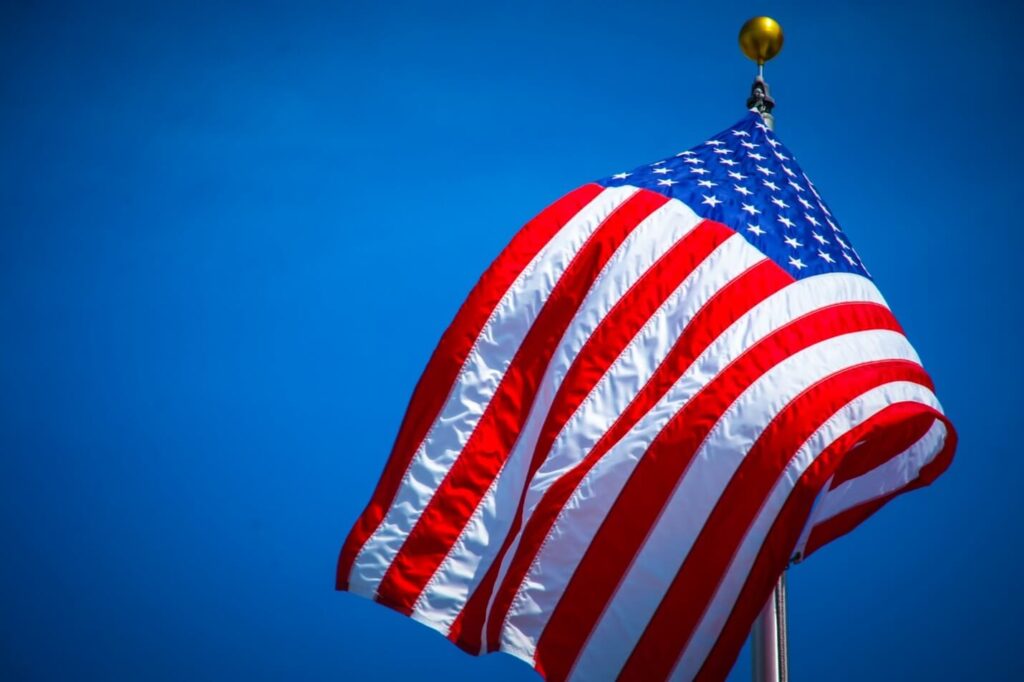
{"x": 768, "y": 638}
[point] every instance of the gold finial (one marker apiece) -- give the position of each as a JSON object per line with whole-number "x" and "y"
{"x": 761, "y": 39}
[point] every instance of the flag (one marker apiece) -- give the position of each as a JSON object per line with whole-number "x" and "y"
{"x": 671, "y": 383}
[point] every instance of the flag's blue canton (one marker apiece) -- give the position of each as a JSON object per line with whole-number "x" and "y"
{"x": 748, "y": 180}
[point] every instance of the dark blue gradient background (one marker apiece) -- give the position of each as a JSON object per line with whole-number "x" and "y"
{"x": 232, "y": 234}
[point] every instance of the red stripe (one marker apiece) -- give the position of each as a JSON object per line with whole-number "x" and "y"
{"x": 728, "y": 304}
{"x": 695, "y": 584}
{"x": 781, "y": 540}
{"x": 436, "y": 382}
{"x": 484, "y": 454}
{"x": 655, "y": 476}
{"x": 871, "y": 454}
{"x": 610, "y": 338}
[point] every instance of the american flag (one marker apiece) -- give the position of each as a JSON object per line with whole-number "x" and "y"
{"x": 672, "y": 383}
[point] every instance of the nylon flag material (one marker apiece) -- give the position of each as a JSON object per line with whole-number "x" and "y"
{"x": 671, "y": 383}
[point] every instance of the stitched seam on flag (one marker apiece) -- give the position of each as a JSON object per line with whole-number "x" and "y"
{"x": 460, "y": 541}
{"x": 530, "y": 267}
{"x": 520, "y": 595}
{"x": 583, "y": 245}
{"x": 632, "y": 237}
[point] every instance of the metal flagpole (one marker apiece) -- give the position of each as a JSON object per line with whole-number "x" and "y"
{"x": 760, "y": 40}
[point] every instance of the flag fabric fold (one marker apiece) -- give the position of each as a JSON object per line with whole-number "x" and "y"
{"x": 671, "y": 383}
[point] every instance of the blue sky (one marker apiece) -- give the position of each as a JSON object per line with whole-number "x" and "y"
{"x": 232, "y": 234}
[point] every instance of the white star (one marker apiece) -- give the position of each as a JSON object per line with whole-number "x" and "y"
{"x": 755, "y": 155}
{"x": 848, "y": 259}
{"x": 823, "y": 209}
{"x": 742, "y": 190}
{"x": 751, "y": 209}
{"x": 756, "y": 229}
{"x": 835, "y": 228}
{"x": 811, "y": 219}
{"x": 770, "y": 185}
{"x": 662, "y": 170}
{"x": 792, "y": 242}
{"x": 737, "y": 176}
{"x": 686, "y": 153}
{"x": 780, "y": 156}
{"x": 841, "y": 242}
{"x": 786, "y": 221}
{"x": 766, "y": 171}
{"x": 621, "y": 176}
{"x": 658, "y": 163}
{"x": 741, "y": 133}
{"x": 774, "y": 143}
{"x": 707, "y": 183}
{"x": 827, "y": 258}
{"x": 711, "y": 201}
{"x": 748, "y": 145}
{"x": 692, "y": 160}
{"x": 761, "y": 126}
{"x": 700, "y": 171}
{"x": 667, "y": 182}
{"x": 728, "y": 162}
{"x": 797, "y": 263}
{"x": 814, "y": 190}
{"x": 779, "y": 202}
{"x": 821, "y": 240}
{"x": 788, "y": 171}
{"x": 714, "y": 143}
{"x": 806, "y": 204}
{"x": 795, "y": 186}
{"x": 723, "y": 151}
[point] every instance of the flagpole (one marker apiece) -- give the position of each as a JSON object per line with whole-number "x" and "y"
{"x": 760, "y": 40}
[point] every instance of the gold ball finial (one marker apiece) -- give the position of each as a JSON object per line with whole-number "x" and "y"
{"x": 761, "y": 39}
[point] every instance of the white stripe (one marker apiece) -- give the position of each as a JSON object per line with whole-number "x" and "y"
{"x": 698, "y": 490}
{"x": 846, "y": 418}
{"x": 597, "y": 491}
{"x": 478, "y": 380}
{"x": 467, "y": 562}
